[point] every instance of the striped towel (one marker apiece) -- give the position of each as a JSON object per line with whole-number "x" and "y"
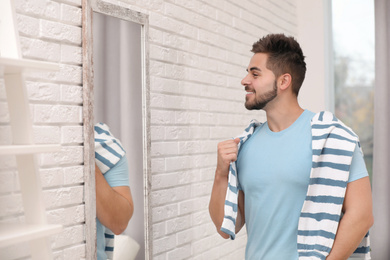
{"x": 108, "y": 149}
{"x": 108, "y": 152}
{"x": 333, "y": 145}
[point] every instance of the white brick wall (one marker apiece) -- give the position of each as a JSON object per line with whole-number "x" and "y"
{"x": 198, "y": 54}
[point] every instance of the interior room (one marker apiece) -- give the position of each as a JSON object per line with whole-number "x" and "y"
{"x": 166, "y": 77}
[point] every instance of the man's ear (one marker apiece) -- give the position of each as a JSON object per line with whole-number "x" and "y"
{"x": 284, "y": 81}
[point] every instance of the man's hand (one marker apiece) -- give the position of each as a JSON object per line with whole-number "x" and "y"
{"x": 227, "y": 153}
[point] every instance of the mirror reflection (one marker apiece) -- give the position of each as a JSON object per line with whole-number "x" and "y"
{"x": 117, "y": 63}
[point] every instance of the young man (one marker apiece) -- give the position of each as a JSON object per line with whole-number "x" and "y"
{"x": 114, "y": 203}
{"x": 291, "y": 178}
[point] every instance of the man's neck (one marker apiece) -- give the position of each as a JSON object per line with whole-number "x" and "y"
{"x": 283, "y": 116}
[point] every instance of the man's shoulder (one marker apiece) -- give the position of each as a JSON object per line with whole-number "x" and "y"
{"x": 328, "y": 122}
{"x": 324, "y": 117}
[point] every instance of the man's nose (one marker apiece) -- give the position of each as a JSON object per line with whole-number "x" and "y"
{"x": 244, "y": 81}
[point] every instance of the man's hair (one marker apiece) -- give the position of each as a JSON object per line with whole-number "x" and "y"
{"x": 284, "y": 56}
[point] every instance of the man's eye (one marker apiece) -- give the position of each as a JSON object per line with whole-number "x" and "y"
{"x": 255, "y": 75}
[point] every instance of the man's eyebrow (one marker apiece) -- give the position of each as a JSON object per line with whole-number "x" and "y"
{"x": 253, "y": 68}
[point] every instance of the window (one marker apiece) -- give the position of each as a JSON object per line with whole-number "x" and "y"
{"x": 354, "y": 68}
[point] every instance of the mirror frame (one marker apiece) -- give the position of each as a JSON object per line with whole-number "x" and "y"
{"x": 90, "y": 6}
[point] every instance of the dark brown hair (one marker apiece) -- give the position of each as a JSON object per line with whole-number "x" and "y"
{"x": 284, "y": 56}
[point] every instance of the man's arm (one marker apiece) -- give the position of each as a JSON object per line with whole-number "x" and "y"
{"x": 227, "y": 152}
{"x": 114, "y": 206}
{"x": 240, "y": 221}
{"x": 357, "y": 219}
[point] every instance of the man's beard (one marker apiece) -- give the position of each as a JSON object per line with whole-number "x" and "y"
{"x": 263, "y": 100}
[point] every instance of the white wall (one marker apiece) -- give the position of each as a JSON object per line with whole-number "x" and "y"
{"x": 314, "y": 36}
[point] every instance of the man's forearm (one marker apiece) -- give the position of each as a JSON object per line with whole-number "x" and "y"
{"x": 356, "y": 221}
{"x": 227, "y": 153}
{"x": 349, "y": 235}
{"x": 217, "y": 202}
{"x": 112, "y": 209}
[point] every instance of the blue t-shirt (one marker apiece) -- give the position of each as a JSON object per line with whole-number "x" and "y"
{"x": 274, "y": 171}
{"x": 116, "y": 176}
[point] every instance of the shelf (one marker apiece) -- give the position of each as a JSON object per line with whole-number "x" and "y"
{"x": 12, "y": 70}
{"x": 11, "y": 234}
{"x": 28, "y": 149}
{"x": 13, "y": 66}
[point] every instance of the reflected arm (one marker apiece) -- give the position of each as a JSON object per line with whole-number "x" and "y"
{"x": 114, "y": 205}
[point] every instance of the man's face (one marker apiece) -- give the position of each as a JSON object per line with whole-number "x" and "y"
{"x": 260, "y": 83}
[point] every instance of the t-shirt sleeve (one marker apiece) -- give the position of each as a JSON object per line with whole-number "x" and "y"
{"x": 119, "y": 174}
{"x": 358, "y": 168}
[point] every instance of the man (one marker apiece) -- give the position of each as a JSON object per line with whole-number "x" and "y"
{"x": 297, "y": 173}
{"x": 114, "y": 203}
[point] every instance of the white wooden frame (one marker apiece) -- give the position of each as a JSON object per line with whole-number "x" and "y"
{"x": 90, "y": 6}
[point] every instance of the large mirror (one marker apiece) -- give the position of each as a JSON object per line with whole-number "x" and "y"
{"x": 117, "y": 87}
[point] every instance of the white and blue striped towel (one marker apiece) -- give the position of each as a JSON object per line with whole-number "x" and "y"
{"x": 108, "y": 149}
{"x": 333, "y": 145}
{"x": 108, "y": 152}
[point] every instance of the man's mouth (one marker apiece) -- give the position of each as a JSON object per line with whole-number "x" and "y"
{"x": 248, "y": 91}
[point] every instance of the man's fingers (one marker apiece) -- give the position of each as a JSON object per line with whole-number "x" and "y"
{"x": 231, "y": 157}
{"x": 227, "y": 152}
{"x": 228, "y": 143}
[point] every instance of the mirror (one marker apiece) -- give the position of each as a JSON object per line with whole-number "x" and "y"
{"x": 119, "y": 87}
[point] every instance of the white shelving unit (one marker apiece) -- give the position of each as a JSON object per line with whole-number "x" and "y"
{"x": 35, "y": 230}
{"x": 16, "y": 233}
{"x": 27, "y": 149}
